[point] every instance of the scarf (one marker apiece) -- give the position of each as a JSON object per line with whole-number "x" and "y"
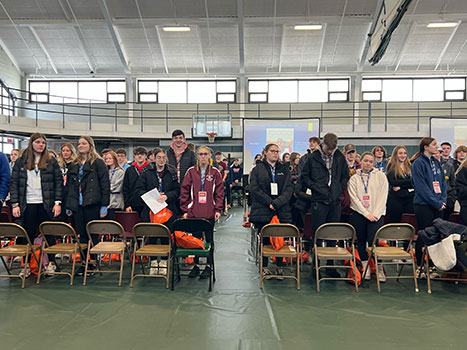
{"x": 140, "y": 168}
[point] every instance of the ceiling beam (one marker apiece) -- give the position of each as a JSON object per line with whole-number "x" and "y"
{"x": 281, "y": 48}
{"x": 114, "y": 35}
{"x": 241, "y": 37}
{"x": 10, "y": 56}
{"x": 164, "y": 59}
{"x": 321, "y": 47}
{"x": 445, "y": 48}
{"x": 198, "y": 34}
{"x": 371, "y": 29}
{"x": 404, "y": 45}
{"x": 84, "y": 48}
{"x": 46, "y": 52}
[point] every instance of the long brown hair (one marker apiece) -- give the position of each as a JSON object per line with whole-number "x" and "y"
{"x": 394, "y": 164}
{"x": 30, "y": 157}
{"x": 92, "y": 154}
{"x": 293, "y": 166}
{"x": 114, "y": 158}
{"x": 421, "y": 147}
{"x": 61, "y": 161}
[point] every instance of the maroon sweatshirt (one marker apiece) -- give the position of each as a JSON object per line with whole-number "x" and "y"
{"x": 189, "y": 193}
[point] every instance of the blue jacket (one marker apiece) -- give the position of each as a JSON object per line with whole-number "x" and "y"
{"x": 4, "y": 176}
{"x": 424, "y": 172}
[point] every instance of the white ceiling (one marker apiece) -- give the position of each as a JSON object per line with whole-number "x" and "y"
{"x": 68, "y": 37}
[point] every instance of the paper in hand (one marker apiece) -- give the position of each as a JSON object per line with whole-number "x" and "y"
{"x": 151, "y": 200}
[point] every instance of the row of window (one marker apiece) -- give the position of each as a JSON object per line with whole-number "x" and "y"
{"x": 259, "y": 91}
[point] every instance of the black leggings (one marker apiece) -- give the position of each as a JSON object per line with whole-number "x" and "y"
{"x": 82, "y": 217}
{"x": 33, "y": 216}
{"x": 209, "y": 239}
{"x": 425, "y": 215}
{"x": 397, "y": 206}
{"x": 365, "y": 230}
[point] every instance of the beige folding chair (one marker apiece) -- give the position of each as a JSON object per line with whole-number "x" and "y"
{"x": 386, "y": 255}
{"x": 11, "y": 230}
{"x": 335, "y": 231}
{"x": 142, "y": 230}
{"x": 287, "y": 251}
{"x": 115, "y": 230}
{"x": 63, "y": 231}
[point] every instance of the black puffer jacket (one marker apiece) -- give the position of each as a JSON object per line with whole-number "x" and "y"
{"x": 51, "y": 185}
{"x": 405, "y": 184}
{"x": 170, "y": 187}
{"x": 187, "y": 160}
{"x": 130, "y": 179}
{"x": 461, "y": 186}
{"x": 260, "y": 191}
{"x": 95, "y": 185}
{"x": 315, "y": 176}
{"x": 302, "y": 204}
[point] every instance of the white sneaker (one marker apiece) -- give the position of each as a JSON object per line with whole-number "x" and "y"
{"x": 50, "y": 268}
{"x": 163, "y": 267}
{"x": 381, "y": 275}
{"x": 154, "y": 270}
{"x": 26, "y": 272}
{"x": 368, "y": 272}
{"x": 267, "y": 273}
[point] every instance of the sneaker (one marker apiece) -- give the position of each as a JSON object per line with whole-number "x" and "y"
{"x": 309, "y": 259}
{"x": 163, "y": 267}
{"x": 154, "y": 270}
{"x": 381, "y": 274}
{"x": 50, "y": 269}
{"x": 80, "y": 271}
{"x": 267, "y": 273}
{"x": 280, "y": 272}
{"x": 420, "y": 273}
{"x": 25, "y": 272}
{"x": 206, "y": 273}
{"x": 194, "y": 272}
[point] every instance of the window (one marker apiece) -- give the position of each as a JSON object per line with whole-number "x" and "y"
{"x": 414, "y": 89}
{"x": 77, "y": 91}
{"x": 187, "y": 91}
{"x": 298, "y": 90}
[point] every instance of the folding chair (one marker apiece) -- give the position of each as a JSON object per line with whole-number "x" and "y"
{"x": 193, "y": 225}
{"x": 127, "y": 220}
{"x": 393, "y": 232}
{"x": 61, "y": 230}
{"x": 335, "y": 231}
{"x": 10, "y": 230}
{"x": 5, "y": 215}
{"x": 454, "y": 217}
{"x": 287, "y": 251}
{"x": 147, "y": 230}
{"x": 115, "y": 230}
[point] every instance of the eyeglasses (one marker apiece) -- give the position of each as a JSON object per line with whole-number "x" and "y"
{"x": 274, "y": 150}
{"x": 350, "y": 152}
{"x": 203, "y": 154}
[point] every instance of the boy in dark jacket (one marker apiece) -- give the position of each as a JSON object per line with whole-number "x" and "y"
{"x": 179, "y": 155}
{"x": 133, "y": 202}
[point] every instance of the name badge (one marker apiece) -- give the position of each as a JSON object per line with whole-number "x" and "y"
{"x": 308, "y": 192}
{"x": 202, "y": 197}
{"x": 436, "y": 187}
{"x": 36, "y": 182}
{"x": 274, "y": 189}
{"x": 366, "y": 201}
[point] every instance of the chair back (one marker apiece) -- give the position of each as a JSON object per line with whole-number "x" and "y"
{"x": 280, "y": 230}
{"x": 395, "y": 232}
{"x": 192, "y": 225}
{"x": 10, "y": 230}
{"x": 335, "y": 231}
{"x": 127, "y": 220}
{"x": 408, "y": 218}
{"x": 5, "y": 215}
{"x": 454, "y": 217}
{"x": 105, "y": 227}
{"x": 145, "y": 229}
{"x": 57, "y": 229}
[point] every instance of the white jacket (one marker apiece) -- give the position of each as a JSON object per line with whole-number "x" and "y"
{"x": 377, "y": 190}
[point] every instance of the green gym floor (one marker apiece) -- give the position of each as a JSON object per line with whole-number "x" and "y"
{"x": 235, "y": 315}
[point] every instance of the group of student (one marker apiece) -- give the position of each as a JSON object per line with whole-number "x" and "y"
{"x": 329, "y": 184}
{"x": 78, "y": 185}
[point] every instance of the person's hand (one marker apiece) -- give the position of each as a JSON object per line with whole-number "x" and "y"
{"x": 371, "y": 217}
{"x": 396, "y": 188}
{"x": 231, "y": 185}
{"x": 236, "y": 181}
{"x": 128, "y": 209}
{"x": 272, "y": 207}
{"x": 16, "y": 212}
{"x": 162, "y": 198}
{"x": 185, "y": 215}
{"x": 217, "y": 215}
{"x": 443, "y": 207}
{"x": 56, "y": 210}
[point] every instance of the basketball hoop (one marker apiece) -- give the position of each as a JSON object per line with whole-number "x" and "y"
{"x": 211, "y": 136}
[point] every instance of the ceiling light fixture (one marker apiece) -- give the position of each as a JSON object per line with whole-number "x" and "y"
{"x": 442, "y": 25}
{"x": 176, "y": 28}
{"x": 308, "y": 27}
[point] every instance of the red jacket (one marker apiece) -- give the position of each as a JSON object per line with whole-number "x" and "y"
{"x": 189, "y": 193}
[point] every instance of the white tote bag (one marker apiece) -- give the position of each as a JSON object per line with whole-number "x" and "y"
{"x": 443, "y": 254}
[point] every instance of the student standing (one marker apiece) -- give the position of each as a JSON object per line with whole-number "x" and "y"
{"x": 88, "y": 190}
{"x": 461, "y": 187}
{"x": 36, "y": 189}
{"x": 430, "y": 188}
{"x": 122, "y": 159}
{"x": 132, "y": 201}
{"x": 116, "y": 175}
{"x": 202, "y": 196}
{"x": 4, "y": 178}
{"x": 381, "y": 161}
{"x": 368, "y": 190}
{"x": 179, "y": 155}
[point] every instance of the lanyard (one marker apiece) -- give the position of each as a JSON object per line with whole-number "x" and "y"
{"x": 36, "y": 171}
{"x": 273, "y": 173}
{"x": 160, "y": 181}
{"x": 203, "y": 178}
{"x": 112, "y": 174}
{"x": 433, "y": 167}
{"x": 365, "y": 186}
{"x": 80, "y": 173}
{"x": 405, "y": 174}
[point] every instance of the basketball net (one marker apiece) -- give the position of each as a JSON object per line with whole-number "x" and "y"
{"x": 211, "y": 136}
